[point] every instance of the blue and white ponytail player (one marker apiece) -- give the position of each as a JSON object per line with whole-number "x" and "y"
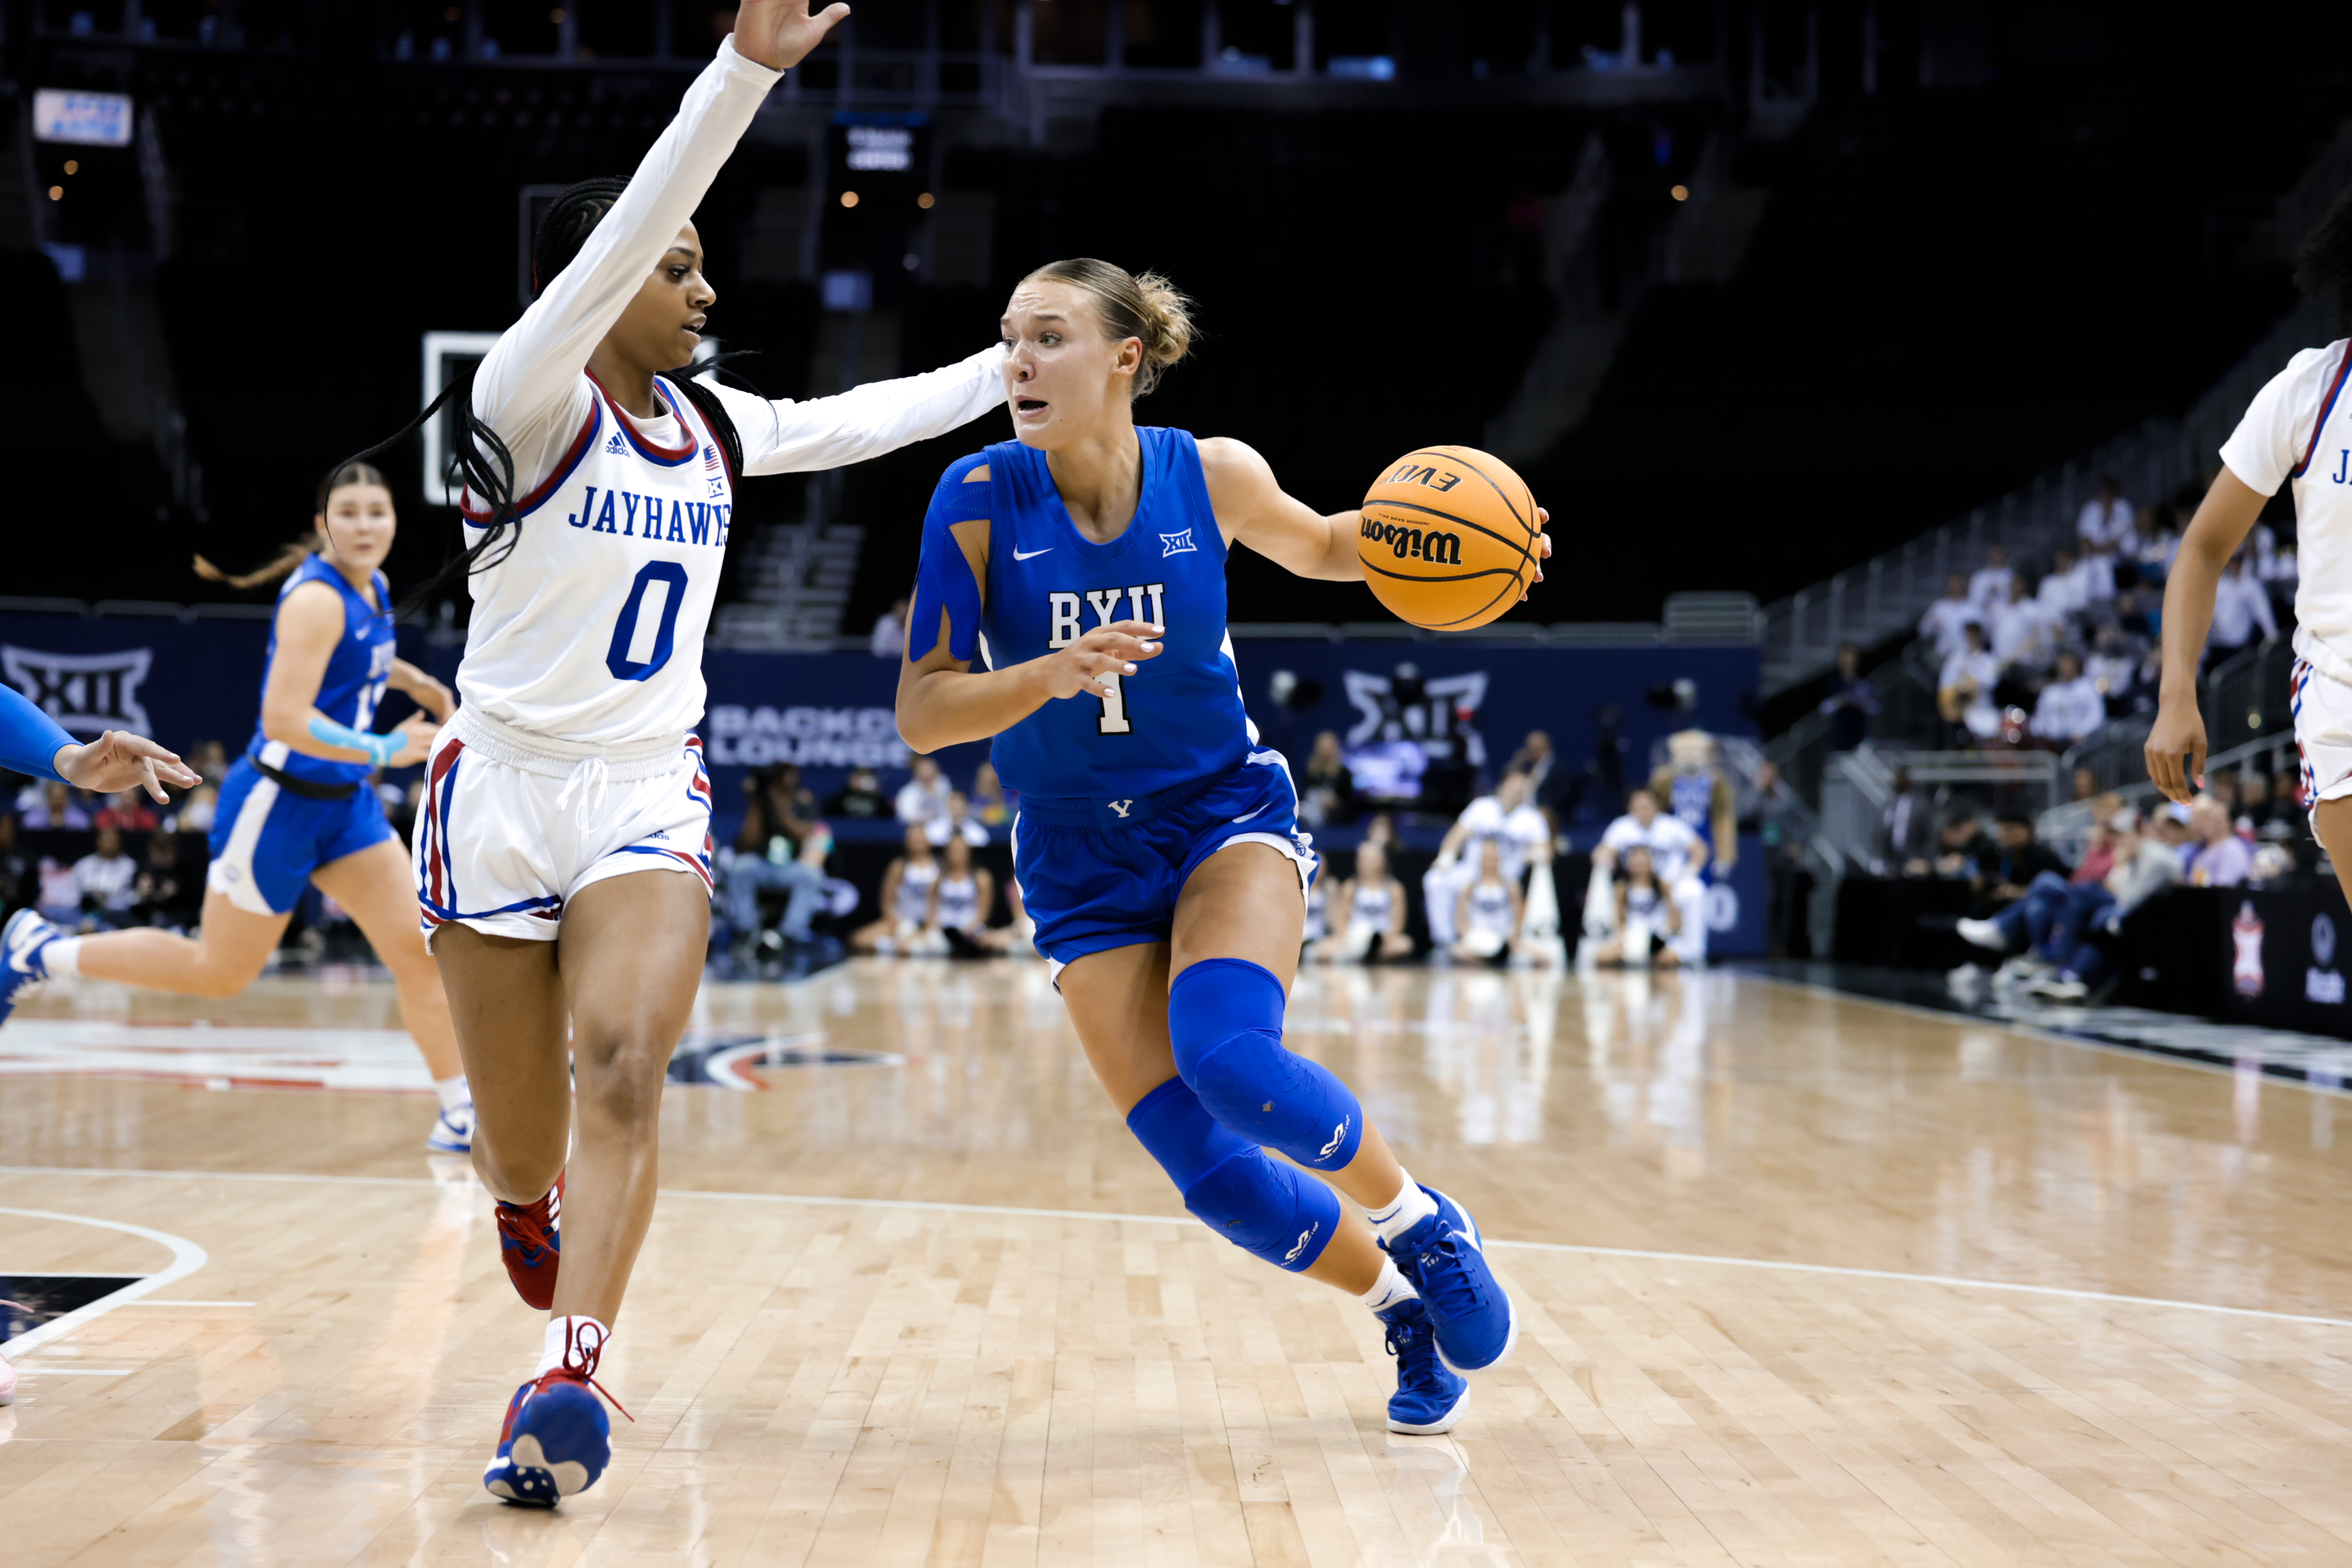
{"x": 299, "y": 807}
{"x": 1083, "y": 566}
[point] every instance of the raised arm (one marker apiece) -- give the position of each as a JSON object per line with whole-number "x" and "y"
{"x": 781, "y": 436}
{"x": 1253, "y": 509}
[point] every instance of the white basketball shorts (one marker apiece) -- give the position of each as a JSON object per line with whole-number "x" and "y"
{"x": 2323, "y": 734}
{"x": 515, "y": 824}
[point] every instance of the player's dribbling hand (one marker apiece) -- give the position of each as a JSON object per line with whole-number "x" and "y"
{"x": 1542, "y": 553}
{"x": 416, "y": 733}
{"x": 1114, "y": 649}
{"x": 2179, "y": 731}
{"x": 120, "y": 760}
{"x": 779, "y": 34}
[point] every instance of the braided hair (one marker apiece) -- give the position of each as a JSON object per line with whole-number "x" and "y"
{"x": 483, "y": 462}
{"x": 2323, "y": 266}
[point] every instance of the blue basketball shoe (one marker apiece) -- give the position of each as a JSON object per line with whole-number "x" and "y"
{"x": 1429, "y": 1399}
{"x": 557, "y": 1439}
{"x": 453, "y": 1133}
{"x": 21, "y": 941}
{"x": 1470, "y": 1314}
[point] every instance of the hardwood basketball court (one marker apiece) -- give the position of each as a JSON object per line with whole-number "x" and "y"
{"x": 1806, "y": 1279}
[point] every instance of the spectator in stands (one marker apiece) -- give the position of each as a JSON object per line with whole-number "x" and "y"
{"x": 1534, "y": 758}
{"x": 1327, "y": 791}
{"x": 956, "y": 822}
{"x": 57, "y": 809}
{"x": 2253, "y": 803}
{"x": 2070, "y": 707}
{"x": 1381, "y": 830}
{"x": 105, "y": 878}
{"x": 1946, "y": 620}
{"x": 923, "y": 798}
{"x": 127, "y": 811}
{"x": 2241, "y": 611}
{"x": 210, "y": 760}
{"x": 2084, "y": 784}
{"x": 2112, "y": 668}
{"x": 860, "y": 796}
{"x": 16, "y": 886}
{"x": 1993, "y": 582}
{"x": 2099, "y": 856}
{"x": 1851, "y": 701}
{"x": 1907, "y": 831}
{"x": 2151, "y": 547}
{"x": 763, "y": 857}
{"x": 1964, "y": 851}
{"x": 889, "y": 636}
{"x": 162, "y": 895}
{"x": 1367, "y": 912}
{"x": 791, "y": 805}
{"x": 59, "y": 899}
{"x": 992, "y": 803}
{"x": 2106, "y": 518}
{"x": 796, "y": 869}
{"x": 2023, "y": 633}
{"x": 2145, "y": 864}
{"x": 2217, "y": 856}
{"x": 2027, "y": 879}
{"x": 1507, "y": 819}
{"x": 2064, "y": 592}
{"x": 1964, "y": 689}
{"x": 1775, "y": 822}
{"x": 197, "y": 812}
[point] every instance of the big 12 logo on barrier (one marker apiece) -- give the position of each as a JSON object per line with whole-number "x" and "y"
{"x": 84, "y": 692}
{"x": 2323, "y": 983}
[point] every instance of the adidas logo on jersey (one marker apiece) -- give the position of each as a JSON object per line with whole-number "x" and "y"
{"x": 615, "y": 445}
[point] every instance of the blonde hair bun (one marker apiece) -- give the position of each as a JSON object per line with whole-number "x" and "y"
{"x": 1149, "y": 309}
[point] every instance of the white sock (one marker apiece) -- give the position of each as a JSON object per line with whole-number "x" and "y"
{"x": 1402, "y": 1213}
{"x": 560, "y": 1331}
{"x": 453, "y": 1091}
{"x": 62, "y": 957}
{"x": 1390, "y": 1289}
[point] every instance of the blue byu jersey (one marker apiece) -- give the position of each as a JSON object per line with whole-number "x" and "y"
{"x": 1180, "y": 717}
{"x": 357, "y": 672}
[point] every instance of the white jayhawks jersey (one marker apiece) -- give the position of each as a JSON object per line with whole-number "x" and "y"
{"x": 2299, "y": 427}
{"x": 590, "y": 629}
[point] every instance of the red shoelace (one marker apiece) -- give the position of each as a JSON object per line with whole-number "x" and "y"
{"x": 579, "y": 1358}
{"x": 533, "y": 1225}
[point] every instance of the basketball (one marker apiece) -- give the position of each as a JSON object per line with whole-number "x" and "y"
{"x": 1448, "y": 539}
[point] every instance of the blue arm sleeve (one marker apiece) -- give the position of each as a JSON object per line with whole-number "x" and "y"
{"x": 943, "y": 580}
{"x": 381, "y": 748}
{"x": 29, "y": 738}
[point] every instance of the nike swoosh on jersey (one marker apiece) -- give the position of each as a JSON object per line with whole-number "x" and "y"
{"x": 1259, "y": 812}
{"x": 1018, "y": 555}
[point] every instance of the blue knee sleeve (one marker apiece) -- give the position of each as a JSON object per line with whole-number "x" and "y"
{"x": 1224, "y": 1019}
{"x": 1282, "y": 1214}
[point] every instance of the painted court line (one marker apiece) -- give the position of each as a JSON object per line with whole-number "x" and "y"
{"x": 1947, "y": 1281}
{"x": 186, "y": 1258}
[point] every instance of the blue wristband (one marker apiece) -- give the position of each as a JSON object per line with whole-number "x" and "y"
{"x": 381, "y": 749}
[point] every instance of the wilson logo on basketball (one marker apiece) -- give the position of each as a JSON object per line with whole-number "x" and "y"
{"x": 1415, "y": 543}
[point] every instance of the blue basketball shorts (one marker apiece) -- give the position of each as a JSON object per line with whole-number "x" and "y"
{"x": 1099, "y": 873}
{"x": 266, "y": 840}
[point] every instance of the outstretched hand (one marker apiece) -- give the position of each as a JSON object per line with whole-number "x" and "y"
{"x": 779, "y": 34}
{"x": 120, "y": 760}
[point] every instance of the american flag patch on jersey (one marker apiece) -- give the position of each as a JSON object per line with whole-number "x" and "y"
{"x": 710, "y": 458}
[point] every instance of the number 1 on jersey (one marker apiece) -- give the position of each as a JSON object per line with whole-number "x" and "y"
{"x": 1114, "y": 719}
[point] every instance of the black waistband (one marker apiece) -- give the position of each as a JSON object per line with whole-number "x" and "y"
{"x": 309, "y": 789}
